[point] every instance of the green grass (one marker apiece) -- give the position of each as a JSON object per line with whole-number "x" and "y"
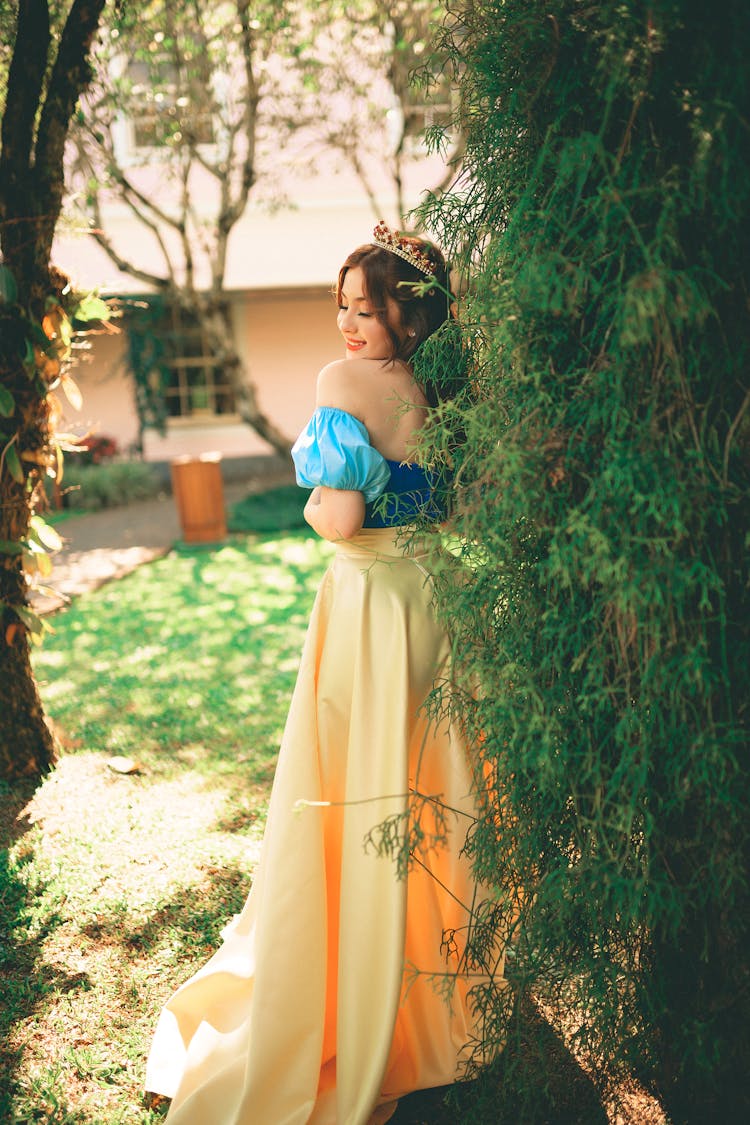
{"x": 114, "y": 888}
{"x": 276, "y": 509}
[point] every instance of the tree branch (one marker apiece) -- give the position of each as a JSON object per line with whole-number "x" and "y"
{"x": 107, "y": 246}
{"x": 130, "y": 192}
{"x": 127, "y": 267}
{"x": 152, "y": 226}
{"x": 124, "y": 185}
{"x": 187, "y": 250}
{"x": 232, "y": 210}
{"x": 71, "y": 75}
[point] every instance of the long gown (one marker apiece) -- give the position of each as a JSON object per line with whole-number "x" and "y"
{"x": 327, "y": 999}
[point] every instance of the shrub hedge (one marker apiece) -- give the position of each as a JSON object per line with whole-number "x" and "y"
{"x": 601, "y": 614}
{"x": 90, "y": 487}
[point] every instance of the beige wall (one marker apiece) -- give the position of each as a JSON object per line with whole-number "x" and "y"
{"x": 108, "y": 402}
{"x": 284, "y": 337}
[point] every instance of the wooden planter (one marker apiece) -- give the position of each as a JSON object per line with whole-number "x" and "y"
{"x": 198, "y": 491}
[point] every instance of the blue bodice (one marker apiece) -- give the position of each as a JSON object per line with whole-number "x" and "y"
{"x": 411, "y": 493}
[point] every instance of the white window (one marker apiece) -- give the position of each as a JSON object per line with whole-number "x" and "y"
{"x": 193, "y": 385}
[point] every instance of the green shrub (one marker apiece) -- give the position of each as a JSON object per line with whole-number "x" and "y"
{"x": 88, "y": 488}
{"x": 277, "y": 509}
{"x": 601, "y": 617}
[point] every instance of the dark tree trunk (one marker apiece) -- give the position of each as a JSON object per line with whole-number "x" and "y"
{"x": 31, "y": 188}
{"x": 26, "y": 743}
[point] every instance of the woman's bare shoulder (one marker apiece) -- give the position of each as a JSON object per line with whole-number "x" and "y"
{"x": 332, "y": 375}
{"x": 347, "y": 383}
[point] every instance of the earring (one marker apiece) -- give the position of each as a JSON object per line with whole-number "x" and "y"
{"x": 411, "y": 332}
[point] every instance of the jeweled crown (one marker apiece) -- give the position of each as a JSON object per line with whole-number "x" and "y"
{"x": 404, "y": 247}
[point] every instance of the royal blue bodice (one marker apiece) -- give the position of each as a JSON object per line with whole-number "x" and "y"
{"x": 409, "y": 495}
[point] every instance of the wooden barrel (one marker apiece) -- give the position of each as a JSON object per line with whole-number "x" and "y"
{"x": 198, "y": 491}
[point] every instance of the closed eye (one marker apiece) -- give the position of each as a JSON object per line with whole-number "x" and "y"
{"x": 345, "y": 308}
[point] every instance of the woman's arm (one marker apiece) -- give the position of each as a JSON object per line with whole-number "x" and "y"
{"x": 335, "y": 513}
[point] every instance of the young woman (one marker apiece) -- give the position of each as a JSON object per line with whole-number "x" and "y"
{"x": 342, "y": 985}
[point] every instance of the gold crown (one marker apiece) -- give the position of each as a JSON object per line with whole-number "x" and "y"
{"x": 404, "y": 247}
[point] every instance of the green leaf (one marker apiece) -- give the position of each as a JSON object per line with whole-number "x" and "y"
{"x": 30, "y": 619}
{"x": 27, "y": 356}
{"x": 8, "y": 287}
{"x": 91, "y": 307}
{"x": 8, "y": 547}
{"x": 13, "y": 462}
{"x": 7, "y": 402}
{"x": 45, "y": 534}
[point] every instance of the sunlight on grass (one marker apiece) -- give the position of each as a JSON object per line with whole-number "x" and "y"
{"x": 117, "y": 886}
{"x": 196, "y": 648}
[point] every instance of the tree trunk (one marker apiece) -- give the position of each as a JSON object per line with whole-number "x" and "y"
{"x": 26, "y": 743}
{"x": 42, "y": 91}
{"x": 27, "y": 747}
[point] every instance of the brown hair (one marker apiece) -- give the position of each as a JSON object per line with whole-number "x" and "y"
{"x": 386, "y": 275}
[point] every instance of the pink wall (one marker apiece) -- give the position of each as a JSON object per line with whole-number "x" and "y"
{"x": 286, "y": 337}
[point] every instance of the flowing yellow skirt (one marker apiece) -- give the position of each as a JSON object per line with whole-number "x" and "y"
{"x": 326, "y": 1000}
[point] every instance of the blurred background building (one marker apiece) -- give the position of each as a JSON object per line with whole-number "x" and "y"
{"x": 218, "y": 179}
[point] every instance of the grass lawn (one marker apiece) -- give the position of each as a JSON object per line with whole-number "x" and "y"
{"x": 116, "y": 886}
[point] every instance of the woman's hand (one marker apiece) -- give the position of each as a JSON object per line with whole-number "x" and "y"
{"x": 335, "y": 513}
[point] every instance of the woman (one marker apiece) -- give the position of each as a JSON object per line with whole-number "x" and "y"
{"x": 342, "y": 986}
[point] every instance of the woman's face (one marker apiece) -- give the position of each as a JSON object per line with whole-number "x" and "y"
{"x": 365, "y": 336}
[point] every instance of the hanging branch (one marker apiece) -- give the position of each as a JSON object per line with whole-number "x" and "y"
{"x": 102, "y": 238}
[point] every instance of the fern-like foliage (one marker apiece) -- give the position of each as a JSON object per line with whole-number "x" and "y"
{"x": 598, "y": 594}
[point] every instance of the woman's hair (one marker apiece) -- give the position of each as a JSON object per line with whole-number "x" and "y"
{"x": 386, "y": 275}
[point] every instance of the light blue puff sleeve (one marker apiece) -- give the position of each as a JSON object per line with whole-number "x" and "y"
{"x": 334, "y": 450}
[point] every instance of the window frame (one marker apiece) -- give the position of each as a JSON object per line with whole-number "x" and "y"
{"x": 180, "y": 362}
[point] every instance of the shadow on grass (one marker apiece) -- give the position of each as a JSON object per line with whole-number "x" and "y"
{"x": 26, "y": 980}
{"x": 44, "y": 1076}
{"x": 13, "y": 799}
{"x": 190, "y": 923}
{"x": 536, "y": 1081}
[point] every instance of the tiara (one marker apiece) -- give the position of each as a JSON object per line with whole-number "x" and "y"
{"x": 405, "y": 248}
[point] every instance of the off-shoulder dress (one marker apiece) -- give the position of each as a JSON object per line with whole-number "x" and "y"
{"x": 326, "y": 1001}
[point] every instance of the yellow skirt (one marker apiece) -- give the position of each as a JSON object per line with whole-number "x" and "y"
{"x": 327, "y": 999}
